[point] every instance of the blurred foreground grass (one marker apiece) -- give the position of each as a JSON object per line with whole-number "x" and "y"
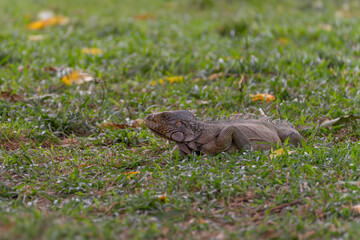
{"x": 63, "y": 176}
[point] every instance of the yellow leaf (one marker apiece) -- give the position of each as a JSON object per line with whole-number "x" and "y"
{"x": 131, "y": 174}
{"x": 262, "y": 97}
{"x": 36, "y": 38}
{"x": 162, "y": 197}
{"x": 174, "y": 79}
{"x": 283, "y": 41}
{"x": 161, "y": 81}
{"x": 56, "y": 20}
{"x": 279, "y": 152}
{"x": 77, "y": 77}
{"x": 36, "y": 25}
{"x": 92, "y": 51}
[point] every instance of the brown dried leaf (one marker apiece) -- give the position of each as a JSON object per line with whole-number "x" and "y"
{"x": 138, "y": 123}
{"x": 111, "y": 125}
{"x": 340, "y": 120}
{"x": 197, "y": 79}
{"x": 12, "y": 97}
{"x": 202, "y": 221}
{"x": 241, "y": 81}
{"x": 145, "y": 16}
{"x": 216, "y": 76}
{"x": 356, "y": 208}
{"x": 51, "y": 69}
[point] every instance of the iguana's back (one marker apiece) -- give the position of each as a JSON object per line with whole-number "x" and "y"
{"x": 232, "y": 134}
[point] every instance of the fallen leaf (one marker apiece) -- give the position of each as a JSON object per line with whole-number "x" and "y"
{"x": 161, "y": 81}
{"x": 340, "y": 120}
{"x": 111, "y": 125}
{"x": 283, "y": 41}
{"x": 162, "y": 198}
{"x": 172, "y": 79}
{"x": 12, "y": 97}
{"x": 51, "y": 69}
{"x": 21, "y": 68}
{"x": 356, "y": 208}
{"x": 144, "y": 16}
{"x": 92, "y": 51}
{"x": 45, "y": 14}
{"x": 262, "y": 97}
{"x": 77, "y": 77}
{"x": 202, "y": 221}
{"x": 216, "y": 76}
{"x": 131, "y": 174}
{"x": 279, "y": 152}
{"x": 35, "y": 38}
{"x": 56, "y": 20}
{"x": 326, "y": 27}
{"x": 241, "y": 81}
{"x": 191, "y": 221}
{"x": 137, "y": 123}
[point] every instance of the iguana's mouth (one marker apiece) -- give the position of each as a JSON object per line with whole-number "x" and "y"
{"x": 158, "y": 134}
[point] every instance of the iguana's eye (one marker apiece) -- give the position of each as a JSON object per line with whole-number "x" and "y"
{"x": 178, "y": 124}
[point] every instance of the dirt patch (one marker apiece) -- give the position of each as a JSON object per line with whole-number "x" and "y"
{"x": 9, "y": 145}
{"x": 347, "y": 133}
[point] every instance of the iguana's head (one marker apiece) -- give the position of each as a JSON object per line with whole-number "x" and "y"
{"x": 178, "y": 126}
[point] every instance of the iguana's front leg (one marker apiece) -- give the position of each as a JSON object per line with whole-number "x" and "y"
{"x": 294, "y": 137}
{"x": 224, "y": 140}
{"x": 183, "y": 149}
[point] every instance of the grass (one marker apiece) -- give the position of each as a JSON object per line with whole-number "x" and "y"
{"x": 63, "y": 176}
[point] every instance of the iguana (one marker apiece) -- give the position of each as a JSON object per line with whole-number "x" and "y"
{"x": 228, "y": 135}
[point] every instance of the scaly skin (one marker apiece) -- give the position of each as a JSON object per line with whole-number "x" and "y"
{"x": 193, "y": 135}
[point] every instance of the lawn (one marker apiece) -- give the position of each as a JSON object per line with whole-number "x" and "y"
{"x": 76, "y": 162}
